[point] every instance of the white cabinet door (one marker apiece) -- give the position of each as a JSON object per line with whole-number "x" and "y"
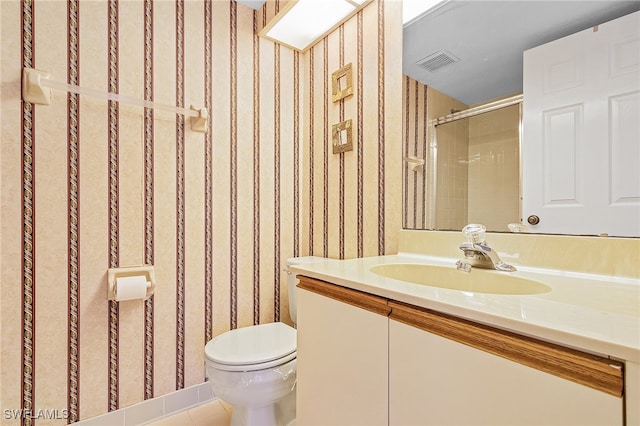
{"x": 445, "y": 370}
{"x": 437, "y": 381}
{"x": 581, "y": 132}
{"x": 632, "y": 392}
{"x": 342, "y": 362}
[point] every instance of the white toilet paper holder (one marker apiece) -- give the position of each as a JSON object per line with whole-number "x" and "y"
{"x": 130, "y": 271}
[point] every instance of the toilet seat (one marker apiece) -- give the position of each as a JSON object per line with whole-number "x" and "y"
{"x": 252, "y": 348}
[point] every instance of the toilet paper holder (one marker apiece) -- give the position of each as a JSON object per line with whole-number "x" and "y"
{"x": 130, "y": 271}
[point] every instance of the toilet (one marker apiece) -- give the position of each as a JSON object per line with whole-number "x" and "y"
{"x": 254, "y": 368}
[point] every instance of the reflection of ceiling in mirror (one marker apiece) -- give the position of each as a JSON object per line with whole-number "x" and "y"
{"x": 488, "y": 38}
{"x": 254, "y": 4}
{"x": 411, "y": 9}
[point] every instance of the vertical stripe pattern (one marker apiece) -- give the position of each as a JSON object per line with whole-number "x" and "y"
{"x": 381, "y": 134}
{"x": 415, "y": 154}
{"x": 148, "y": 194}
{"x": 276, "y": 183}
{"x": 325, "y": 148}
{"x": 256, "y": 171}
{"x": 73, "y": 122}
{"x": 180, "y": 201}
{"x": 113, "y": 203}
{"x": 233, "y": 146}
{"x": 28, "y": 223}
{"x": 208, "y": 179}
{"x": 311, "y": 147}
{"x": 341, "y": 155}
{"x": 296, "y": 154}
{"x": 425, "y": 147}
{"x": 360, "y": 137}
{"x": 405, "y": 167}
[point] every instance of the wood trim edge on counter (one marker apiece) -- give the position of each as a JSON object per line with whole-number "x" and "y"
{"x": 357, "y": 298}
{"x": 594, "y": 371}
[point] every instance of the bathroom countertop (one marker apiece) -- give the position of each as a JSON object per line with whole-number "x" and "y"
{"x": 594, "y": 313}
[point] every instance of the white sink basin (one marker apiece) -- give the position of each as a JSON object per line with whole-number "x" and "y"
{"x": 476, "y": 281}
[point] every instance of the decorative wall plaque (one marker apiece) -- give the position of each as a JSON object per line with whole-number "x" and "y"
{"x": 342, "y": 83}
{"x": 342, "y": 136}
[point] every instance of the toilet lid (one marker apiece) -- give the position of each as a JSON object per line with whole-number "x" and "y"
{"x": 252, "y": 345}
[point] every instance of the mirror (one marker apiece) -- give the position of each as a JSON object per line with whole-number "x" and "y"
{"x": 461, "y": 55}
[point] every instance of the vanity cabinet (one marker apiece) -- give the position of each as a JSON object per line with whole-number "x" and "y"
{"x": 364, "y": 359}
{"x": 342, "y": 361}
{"x": 447, "y": 371}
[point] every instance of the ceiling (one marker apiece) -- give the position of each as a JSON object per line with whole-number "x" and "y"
{"x": 488, "y": 38}
{"x": 254, "y": 4}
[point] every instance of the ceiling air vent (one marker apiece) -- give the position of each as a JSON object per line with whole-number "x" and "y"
{"x": 438, "y": 60}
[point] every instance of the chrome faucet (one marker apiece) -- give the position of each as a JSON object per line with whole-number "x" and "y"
{"x": 477, "y": 252}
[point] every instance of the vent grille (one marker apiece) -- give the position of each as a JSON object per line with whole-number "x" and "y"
{"x": 438, "y": 60}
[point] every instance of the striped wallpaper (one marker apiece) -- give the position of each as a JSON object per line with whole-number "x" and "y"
{"x": 354, "y": 198}
{"x": 90, "y": 184}
{"x": 415, "y": 144}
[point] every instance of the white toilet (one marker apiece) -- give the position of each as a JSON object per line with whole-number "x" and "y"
{"x": 254, "y": 368}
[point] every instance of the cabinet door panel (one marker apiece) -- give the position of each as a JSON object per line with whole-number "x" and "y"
{"x": 436, "y": 381}
{"x": 342, "y": 363}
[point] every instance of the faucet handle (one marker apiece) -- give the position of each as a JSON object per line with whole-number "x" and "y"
{"x": 474, "y": 233}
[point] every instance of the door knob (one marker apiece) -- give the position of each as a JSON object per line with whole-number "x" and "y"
{"x": 533, "y": 220}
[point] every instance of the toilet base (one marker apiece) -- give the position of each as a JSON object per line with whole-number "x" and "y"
{"x": 243, "y": 416}
{"x": 280, "y": 413}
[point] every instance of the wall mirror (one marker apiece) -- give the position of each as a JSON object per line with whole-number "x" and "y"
{"x": 461, "y": 56}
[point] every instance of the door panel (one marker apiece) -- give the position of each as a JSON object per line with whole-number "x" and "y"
{"x": 581, "y": 133}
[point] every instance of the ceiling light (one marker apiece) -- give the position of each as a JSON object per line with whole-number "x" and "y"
{"x": 303, "y": 22}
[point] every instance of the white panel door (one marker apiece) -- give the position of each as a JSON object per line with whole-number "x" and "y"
{"x": 581, "y": 132}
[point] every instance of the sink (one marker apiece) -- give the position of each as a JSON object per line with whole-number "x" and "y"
{"x": 476, "y": 281}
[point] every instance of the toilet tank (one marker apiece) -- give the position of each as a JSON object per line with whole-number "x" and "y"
{"x": 292, "y": 281}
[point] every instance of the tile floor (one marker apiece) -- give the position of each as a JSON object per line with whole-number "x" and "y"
{"x": 214, "y": 413}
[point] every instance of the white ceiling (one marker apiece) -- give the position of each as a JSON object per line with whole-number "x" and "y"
{"x": 254, "y": 4}
{"x": 489, "y": 37}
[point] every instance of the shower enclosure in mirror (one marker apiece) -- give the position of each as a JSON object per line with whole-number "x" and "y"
{"x": 472, "y": 161}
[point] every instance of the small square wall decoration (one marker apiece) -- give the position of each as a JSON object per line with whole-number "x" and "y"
{"x": 342, "y": 137}
{"x": 342, "y": 82}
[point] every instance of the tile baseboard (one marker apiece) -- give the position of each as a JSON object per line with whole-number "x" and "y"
{"x": 155, "y": 408}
